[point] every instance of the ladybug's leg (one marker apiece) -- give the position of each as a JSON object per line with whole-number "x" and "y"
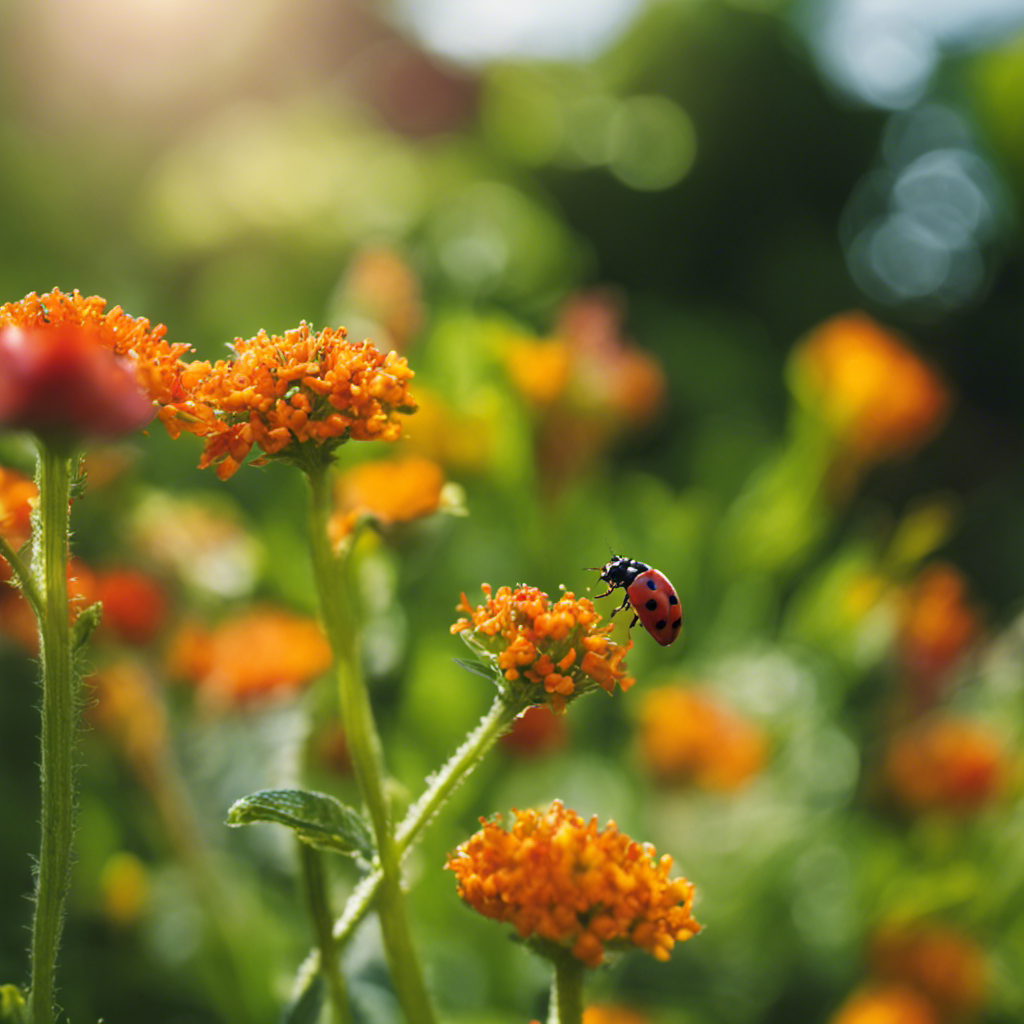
{"x": 605, "y": 594}
{"x": 625, "y": 601}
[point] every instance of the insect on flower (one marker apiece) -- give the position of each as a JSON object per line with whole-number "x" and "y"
{"x": 649, "y": 592}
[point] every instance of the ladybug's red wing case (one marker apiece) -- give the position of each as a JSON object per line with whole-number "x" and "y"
{"x": 656, "y": 604}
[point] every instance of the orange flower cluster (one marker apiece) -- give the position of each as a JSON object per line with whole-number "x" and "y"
{"x": 937, "y": 625}
{"x": 550, "y": 651}
{"x": 946, "y": 763}
{"x": 73, "y": 368}
{"x": 390, "y": 491}
{"x": 689, "y": 737}
{"x": 886, "y": 1004}
{"x": 560, "y": 879}
{"x": 134, "y": 605}
{"x": 280, "y": 393}
{"x": 942, "y": 964}
{"x": 872, "y": 391}
{"x": 261, "y": 652}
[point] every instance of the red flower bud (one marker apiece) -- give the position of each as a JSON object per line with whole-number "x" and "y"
{"x": 62, "y": 382}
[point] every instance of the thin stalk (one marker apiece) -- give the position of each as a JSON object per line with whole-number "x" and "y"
{"x": 497, "y": 720}
{"x": 365, "y": 752}
{"x": 23, "y": 576}
{"x": 566, "y": 990}
{"x": 315, "y": 885}
{"x": 59, "y": 713}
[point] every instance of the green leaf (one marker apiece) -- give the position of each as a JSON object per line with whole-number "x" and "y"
{"x": 86, "y": 622}
{"x": 476, "y": 668}
{"x": 305, "y": 1008}
{"x": 12, "y": 1005}
{"x": 317, "y": 819}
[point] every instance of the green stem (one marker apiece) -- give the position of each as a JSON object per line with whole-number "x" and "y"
{"x": 566, "y": 990}
{"x": 50, "y": 557}
{"x": 365, "y": 751}
{"x": 315, "y": 886}
{"x": 23, "y": 576}
{"x": 496, "y": 722}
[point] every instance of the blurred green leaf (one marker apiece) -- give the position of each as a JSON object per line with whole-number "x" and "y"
{"x": 306, "y": 1007}
{"x": 317, "y": 819}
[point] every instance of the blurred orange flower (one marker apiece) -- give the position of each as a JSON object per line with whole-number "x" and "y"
{"x": 127, "y": 707}
{"x": 878, "y": 398}
{"x": 17, "y": 496}
{"x": 885, "y": 1004}
{"x": 261, "y": 652}
{"x": 537, "y": 731}
{"x": 937, "y": 626}
{"x": 134, "y": 605}
{"x": 946, "y": 763}
{"x": 284, "y": 393}
{"x": 613, "y": 1015}
{"x": 390, "y": 491}
{"x": 71, "y": 368}
{"x": 551, "y": 652}
{"x": 941, "y": 963}
{"x": 538, "y": 369}
{"x": 380, "y": 284}
{"x": 557, "y": 878}
{"x": 17, "y": 620}
{"x": 124, "y": 889}
{"x": 690, "y": 737}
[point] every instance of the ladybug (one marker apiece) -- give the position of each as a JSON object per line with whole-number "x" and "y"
{"x": 653, "y": 598}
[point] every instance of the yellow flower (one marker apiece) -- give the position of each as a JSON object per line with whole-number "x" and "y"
{"x": 689, "y": 737}
{"x": 390, "y": 491}
{"x": 879, "y": 399}
{"x": 547, "y": 651}
{"x": 260, "y": 652}
{"x": 287, "y": 394}
{"x": 559, "y": 879}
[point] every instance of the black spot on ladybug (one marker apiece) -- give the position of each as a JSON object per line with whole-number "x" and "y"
{"x": 677, "y": 623}
{"x": 652, "y": 604}
{"x": 651, "y": 585}
{"x": 660, "y": 624}
{"x": 672, "y": 599}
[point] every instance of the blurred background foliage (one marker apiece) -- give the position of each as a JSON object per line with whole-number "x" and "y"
{"x": 661, "y": 267}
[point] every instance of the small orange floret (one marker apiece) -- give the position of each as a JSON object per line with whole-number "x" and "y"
{"x": 261, "y": 652}
{"x": 874, "y": 393}
{"x": 690, "y": 737}
{"x": 531, "y": 637}
{"x": 280, "y": 392}
{"x": 946, "y": 763}
{"x": 395, "y": 491}
{"x": 134, "y": 605}
{"x": 556, "y": 877}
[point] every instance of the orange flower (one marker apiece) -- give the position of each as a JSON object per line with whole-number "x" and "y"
{"x": 938, "y": 624}
{"x": 124, "y": 889}
{"x": 70, "y": 368}
{"x": 544, "y": 651}
{"x": 389, "y": 491}
{"x": 946, "y": 763}
{"x": 612, "y": 1015}
{"x": 938, "y": 961}
{"x": 888, "y": 1004}
{"x": 689, "y": 737}
{"x": 379, "y": 284}
{"x": 872, "y": 391}
{"x": 537, "y": 731}
{"x": 449, "y": 436}
{"x": 539, "y": 370}
{"x": 559, "y": 879}
{"x": 291, "y": 395}
{"x": 134, "y": 605}
{"x": 17, "y": 496}
{"x": 258, "y": 653}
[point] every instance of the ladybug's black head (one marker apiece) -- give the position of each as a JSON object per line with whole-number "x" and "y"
{"x": 620, "y": 571}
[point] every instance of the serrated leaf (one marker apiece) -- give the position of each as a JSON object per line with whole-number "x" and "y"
{"x": 476, "y": 668}
{"x": 316, "y": 818}
{"x": 306, "y": 1007}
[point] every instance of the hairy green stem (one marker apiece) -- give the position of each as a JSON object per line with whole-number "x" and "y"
{"x": 497, "y": 721}
{"x": 59, "y": 713}
{"x": 566, "y": 990}
{"x": 314, "y": 882}
{"x": 365, "y": 752}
